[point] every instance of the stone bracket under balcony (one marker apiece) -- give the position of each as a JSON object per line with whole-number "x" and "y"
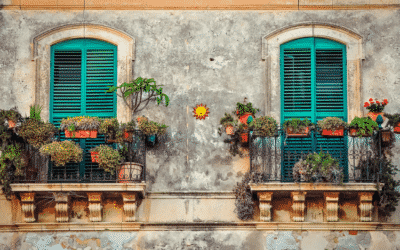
{"x": 319, "y": 202}
{"x": 61, "y": 193}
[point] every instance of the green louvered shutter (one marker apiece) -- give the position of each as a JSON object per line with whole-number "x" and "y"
{"x": 81, "y": 71}
{"x": 313, "y": 84}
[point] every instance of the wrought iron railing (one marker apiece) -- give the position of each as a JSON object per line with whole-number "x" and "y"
{"x": 41, "y": 170}
{"x": 272, "y": 158}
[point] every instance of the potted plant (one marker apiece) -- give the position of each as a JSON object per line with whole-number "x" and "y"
{"x": 128, "y": 130}
{"x": 130, "y": 171}
{"x": 297, "y": 128}
{"x": 228, "y": 123}
{"x": 375, "y": 108}
{"x": 362, "y": 127}
{"x": 107, "y": 158}
{"x": 245, "y": 112}
{"x": 264, "y": 126}
{"x": 318, "y": 167}
{"x": 151, "y": 129}
{"x": 80, "y": 127}
{"x": 36, "y": 132}
{"x": 243, "y": 133}
{"x": 394, "y": 121}
{"x": 332, "y": 126}
{"x": 62, "y": 152}
{"x": 110, "y": 128}
{"x": 12, "y": 117}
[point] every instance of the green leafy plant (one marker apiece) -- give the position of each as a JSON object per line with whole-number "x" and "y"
{"x": 80, "y": 123}
{"x": 264, "y": 126}
{"x": 297, "y": 125}
{"x": 241, "y": 109}
{"x": 151, "y": 127}
{"x": 317, "y": 167}
{"x": 364, "y": 125}
{"x": 62, "y": 152}
{"x": 109, "y": 158}
{"x": 36, "y": 132}
{"x": 109, "y": 127}
{"x": 394, "y": 119}
{"x": 132, "y": 92}
{"x": 331, "y": 123}
{"x": 226, "y": 121}
{"x": 35, "y": 111}
{"x": 376, "y": 106}
{"x": 129, "y": 126}
{"x": 12, "y": 114}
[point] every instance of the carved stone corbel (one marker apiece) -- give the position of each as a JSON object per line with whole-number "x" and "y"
{"x": 61, "y": 206}
{"x": 129, "y": 205}
{"x": 298, "y": 206}
{"x": 28, "y": 206}
{"x": 265, "y": 205}
{"x": 95, "y": 206}
{"x": 366, "y": 206}
{"x": 332, "y": 205}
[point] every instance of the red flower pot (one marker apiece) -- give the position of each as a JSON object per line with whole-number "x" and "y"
{"x": 354, "y": 133}
{"x": 330, "y": 133}
{"x": 304, "y": 133}
{"x": 229, "y": 130}
{"x": 374, "y": 115}
{"x": 81, "y": 134}
{"x": 243, "y": 118}
{"x": 244, "y": 137}
{"x": 397, "y": 129}
{"x": 95, "y": 156}
{"x": 128, "y": 136}
{"x": 11, "y": 124}
{"x": 386, "y": 136}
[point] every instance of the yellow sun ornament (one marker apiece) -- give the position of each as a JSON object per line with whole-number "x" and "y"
{"x": 200, "y": 111}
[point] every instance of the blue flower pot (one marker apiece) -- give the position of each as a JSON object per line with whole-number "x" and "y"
{"x": 151, "y": 139}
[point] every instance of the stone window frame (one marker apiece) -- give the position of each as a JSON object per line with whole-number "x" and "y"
{"x": 271, "y": 54}
{"x": 41, "y": 54}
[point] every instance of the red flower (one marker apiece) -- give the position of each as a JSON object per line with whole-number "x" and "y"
{"x": 370, "y": 99}
{"x": 366, "y": 104}
{"x": 371, "y": 102}
{"x": 385, "y": 101}
{"x": 377, "y": 102}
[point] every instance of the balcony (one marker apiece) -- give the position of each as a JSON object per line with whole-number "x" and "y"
{"x": 41, "y": 179}
{"x": 271, "y": 164}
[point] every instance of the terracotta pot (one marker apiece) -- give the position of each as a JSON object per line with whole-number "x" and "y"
{"x": 128, "y": 136}
{"x": 374, "y": 115}
{"x": 354, "y": 133}
{"x": 244, "y": 137}
{"x": 95, "y": 156}
{"x": 81, "y": 134}
{"x": 243, "y": 118}
{"x": 11, "y": 124}
{"x": 386, "y": 136}
{"x": 397, "y": 129}
{"x": 330, "y": 133}
{"x": 129, "y": 172}
{"x": 304, "y": 133}
{"x": 229, "y": 130}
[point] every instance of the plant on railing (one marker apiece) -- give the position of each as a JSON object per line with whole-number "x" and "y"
{"x": 132, "y": 93}
{"x": 264, "y": 126}
{"x": 36, "y": 132}
{"x": 318, "y": 168}
{"x": 108, "y": 158}
{"x": 362, "y": 126}
{"x": 376, "y": 106}
{"x": 241, "y": 109}
{"x": 62, "y": 152}
{"x": 80, "y": 123}
{"x": 296, "y": 125}
{"x": 111, "y": 128}
{"x": 331, "y": 123}
{"x": 151, "y": 129}
{"x": 394, "y": 120}
{"x": 227, "y": 123}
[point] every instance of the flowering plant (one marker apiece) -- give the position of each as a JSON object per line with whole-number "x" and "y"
{"x": 151, "y": 128}
{"x": 36, "y": 132}
{"x": 62, "y": 152}
{"x": 376, "y": 106}
{"x": 109, "y": 158}
{"x": 80, "y": 123}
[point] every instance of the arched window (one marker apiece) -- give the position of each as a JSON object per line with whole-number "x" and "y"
{"x": 313, "y": 86}
{"x": 81, "y": 71}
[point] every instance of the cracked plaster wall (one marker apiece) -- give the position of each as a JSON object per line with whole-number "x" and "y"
{"x": 190, "y": 240}
{"x": 175, "y": 48}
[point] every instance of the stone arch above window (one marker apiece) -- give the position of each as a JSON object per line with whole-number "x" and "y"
{"x": 41, "y": 54}
{"x": 271, "y": 53}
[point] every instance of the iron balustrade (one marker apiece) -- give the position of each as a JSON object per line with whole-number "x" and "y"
{"x": 272, "y": 158}
{"x": 41, "y": 170}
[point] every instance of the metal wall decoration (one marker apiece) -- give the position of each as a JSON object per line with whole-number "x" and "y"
{"x": 201, "y": 111}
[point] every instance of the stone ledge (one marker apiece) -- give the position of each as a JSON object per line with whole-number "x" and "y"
{"x": 346, "y": 187}
{"x": 201, "y": 226}
{"x": 80, "y": 187}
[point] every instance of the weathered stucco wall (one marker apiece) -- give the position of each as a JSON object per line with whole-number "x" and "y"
{"x": 190, "y": 240}
{"x": 209, "y": 57}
